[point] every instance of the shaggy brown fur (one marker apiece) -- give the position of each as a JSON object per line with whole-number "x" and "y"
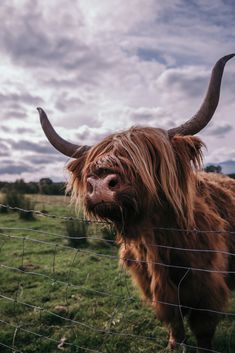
{"x": 161, "y": 187}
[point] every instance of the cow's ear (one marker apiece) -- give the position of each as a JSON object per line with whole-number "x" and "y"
{"x": 188, "y": 149}
{"x": 75, "y": 167}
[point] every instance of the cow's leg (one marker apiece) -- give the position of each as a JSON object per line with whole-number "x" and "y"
{"x": 214, "y": 295}
{"x": 173, "y": 319}
{"x": 203, "y": 326}
{"x": 176, "y": 334}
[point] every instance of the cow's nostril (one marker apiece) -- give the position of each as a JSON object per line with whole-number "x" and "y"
{"x": 113, "y": 183}
{"x": 89, "y": 187}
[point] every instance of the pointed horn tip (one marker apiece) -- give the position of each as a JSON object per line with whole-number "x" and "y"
{"x": 39, "y": 110}
{"x": 229, "y": 56}
{"x": 226, "y": 58}
{"x": 42, "y": 115}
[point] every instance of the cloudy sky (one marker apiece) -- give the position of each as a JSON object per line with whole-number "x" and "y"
{"x": 97, "y": 66}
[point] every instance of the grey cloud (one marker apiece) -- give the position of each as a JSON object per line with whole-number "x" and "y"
{"x": 3, "y": 145}
{"x": 192, "y": 12}
{"x": 16, "y": 99}
{"x": 156, "y": 117}
{"x": 150, "y": 54}
{"x": 41, "y": 160}
{"x": 65, "y": 104}
{"x": 24, "y": 145}
{"x": 4, "y": 154}
{"x": 12, "y": 105}
{"x": 198, "y": 22}
{"x": 194, "y": 86}
{"x": 59, "y": 52}
{"x": 4, "y": 150}
{"x": 77, "y": 110}
{"x": 218, "y": 129}
{"x": 11, "y": 114}
{"x": 85, "y": 135}
{"x": 59, "y": 82}
{"x": 22, "y": 130}
{"x": 28, "y": 146}
{"x": 191, "y": 82}
{"x": 91, "y": 60}
{"x": 81, "y": 76}
{"x": 92, "y": 135}
{"x": 7, "y": 142}
{"x": 26, "y": 43}
{"x": 141, "y": 117}
{"x": 5, "y": 128}
{"x": 16, "y": 168}
{"x": 38, "y": 49}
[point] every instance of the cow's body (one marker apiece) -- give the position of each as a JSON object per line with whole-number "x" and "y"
{"x": 174, "y": 292}
{"x": 173, "y": 222}
{"x": 160, "y": 209}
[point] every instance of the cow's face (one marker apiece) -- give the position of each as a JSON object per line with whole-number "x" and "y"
{"x": 117, "y": 179}
{"x": 125, "y": 175}
{"x": 131, "y": 175}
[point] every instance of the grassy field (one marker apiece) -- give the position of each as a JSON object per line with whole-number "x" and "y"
{"x": 55, "y": 298}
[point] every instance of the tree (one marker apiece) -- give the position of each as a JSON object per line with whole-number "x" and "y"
{"x": 213, "y": 169}
{"x": 45, "y": 186}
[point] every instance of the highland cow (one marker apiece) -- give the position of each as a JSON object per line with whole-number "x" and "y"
{"x": 172, "y": 219}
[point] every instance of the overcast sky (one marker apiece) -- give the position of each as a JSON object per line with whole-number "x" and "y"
{"x": 98, "y": 66}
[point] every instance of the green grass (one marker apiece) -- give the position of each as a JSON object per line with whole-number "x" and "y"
{"x": 51, "y": 292}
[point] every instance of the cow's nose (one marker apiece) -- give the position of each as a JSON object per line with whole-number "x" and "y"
{"x": 103, "y": 189}
{"x": 111, "y": 182}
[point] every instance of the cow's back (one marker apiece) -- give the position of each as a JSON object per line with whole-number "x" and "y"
{"x": 219, "y": 191}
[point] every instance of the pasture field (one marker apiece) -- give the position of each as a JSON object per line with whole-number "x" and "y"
{"x": 55, "y": 298}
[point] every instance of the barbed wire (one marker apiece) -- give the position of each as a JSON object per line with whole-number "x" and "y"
{"x": 139, "y": 261}
{"x": 111, "y": 294}
{"x": 95, "y": 221}
{"x": 61, "y": 236}
{"x": 47, "y": 215}
{"x": 80, "y": 323}
{"x": 91, "y": 237}
{"x": 52, "y": 277}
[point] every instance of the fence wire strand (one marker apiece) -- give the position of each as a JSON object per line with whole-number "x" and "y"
{"x": 91, "y": 237}
{"x": 90, "y": 252}
{"x": 105, "y": 223}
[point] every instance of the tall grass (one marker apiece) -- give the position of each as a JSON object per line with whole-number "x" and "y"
{"x": 108, "y": 234}
{"x": 14, "y": 199}
{"x": 77, "y": 231}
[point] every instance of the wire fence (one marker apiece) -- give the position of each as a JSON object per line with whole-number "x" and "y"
{"x": 40, "y": 269}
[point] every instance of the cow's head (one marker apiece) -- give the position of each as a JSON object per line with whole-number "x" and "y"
{"x": 130, "y": 173}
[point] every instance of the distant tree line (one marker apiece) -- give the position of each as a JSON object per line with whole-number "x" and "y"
{"x": 212, "y": 168}
{"x": 44, "y": 186}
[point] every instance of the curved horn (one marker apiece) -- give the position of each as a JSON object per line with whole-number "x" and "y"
{"x": 63, "y": 146}
{"x": 209, "y": 105}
